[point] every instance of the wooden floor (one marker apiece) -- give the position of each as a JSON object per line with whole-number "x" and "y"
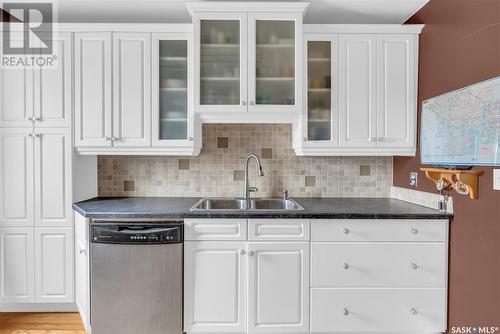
{"x": 41, "y": 323}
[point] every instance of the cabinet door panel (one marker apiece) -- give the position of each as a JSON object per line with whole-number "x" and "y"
{"x": 93, "y": 89}
{"x": 82, "y": 281}
{"x": 274, "y": 61}
{"x": 220, "y": 61}
{"x": 215, "y": 286}
{"x": 16, "y": 177}
{"x": 54, "y": 265}
{"x": 53, "y": 178}
{"x": 278, "y": 287}
{"x": 396, "y": 91}
{"x": 17, "y": 283}
{"x": 16, "y": 97}
{"x": 53, "y": 87}
{"x": 132, "y": 89}
{"x": 358, "y": 90}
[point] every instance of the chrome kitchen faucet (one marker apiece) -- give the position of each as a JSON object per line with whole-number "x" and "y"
{"x": 260, "y": 172}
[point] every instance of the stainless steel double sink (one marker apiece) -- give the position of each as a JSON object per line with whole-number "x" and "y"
{"x": 242, "y": 204}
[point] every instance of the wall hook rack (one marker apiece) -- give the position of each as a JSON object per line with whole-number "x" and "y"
{"x": 464, "y": 182}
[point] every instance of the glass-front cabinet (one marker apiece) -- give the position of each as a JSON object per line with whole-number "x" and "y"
{"x": 320, "y": 112}
{"x": 173, "y": 117}
{"x": 247, "y": 58}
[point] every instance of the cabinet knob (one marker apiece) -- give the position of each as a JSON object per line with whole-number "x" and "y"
{"x": 345, "y": 230}
{"x": 83, "y": 251}
{"x": 115, "y": 139}
{"x": 413, "y": 311}
{"x": 251, "y": 253}
{"x": 345, "y": 265}
{"x": 305, "y": 138}
{"x": 34, "y": 118}
{"x": 190, "y": 139}
{"x": 252, "y": 103}
{"x": 107, "y": 138}
{"x": 413, "y": 230}
{"x": 242, "y": 252}
{"x": 34, "y": 135}
{"x": 413, "y": 266}
{"x": 345, "y": 311}
{"x": 243, "y": 103}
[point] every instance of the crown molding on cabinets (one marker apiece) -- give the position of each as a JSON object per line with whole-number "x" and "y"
{"x": 267, "y": 7}
{"x": 362, "y": 28}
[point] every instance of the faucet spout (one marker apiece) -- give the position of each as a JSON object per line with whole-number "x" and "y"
{"x": 247, "y": 189}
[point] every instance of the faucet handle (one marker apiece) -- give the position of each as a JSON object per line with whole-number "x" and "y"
{"x": 284, "y": 193}
{"x": 253, "y": 189}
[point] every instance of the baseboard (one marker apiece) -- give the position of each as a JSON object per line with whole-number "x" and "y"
{"x": 32, "y": 307}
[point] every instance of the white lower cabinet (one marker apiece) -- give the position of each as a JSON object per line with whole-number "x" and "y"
{"x": 17, "y": 277}
{"x": 54, "y": 265}
{"x": 82, "y": 269}
{"x": 278, "y": 294}
{"x": 322, "y": 276}
{"x": 215, "y": 286}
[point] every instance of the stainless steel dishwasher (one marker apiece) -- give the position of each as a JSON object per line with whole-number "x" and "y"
{"x": 136, "y": 277}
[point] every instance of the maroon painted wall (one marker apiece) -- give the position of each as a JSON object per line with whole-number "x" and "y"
{"x": 459, "y": 46}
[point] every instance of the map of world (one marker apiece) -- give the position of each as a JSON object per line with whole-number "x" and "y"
{"x": 462, "y": 127}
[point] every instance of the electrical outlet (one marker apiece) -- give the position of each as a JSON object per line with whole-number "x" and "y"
{"x": 413, "y": 179}
{"x": 496, "y": 179}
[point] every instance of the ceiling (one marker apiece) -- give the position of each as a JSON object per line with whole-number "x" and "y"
{"x": 174, "y": 11}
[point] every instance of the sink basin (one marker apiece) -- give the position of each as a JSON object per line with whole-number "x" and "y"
{"x": 240, "y": 204}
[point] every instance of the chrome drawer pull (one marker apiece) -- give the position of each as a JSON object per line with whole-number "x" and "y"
{"x": 242, "y": 252}
{"x": 345, "y": 265}
{"x": 413, "y": 266}
{"x": 252, "y": 253}
{"x": 345, "y": 311}
{"x": 414, "y": 230}
{"x": 345, "y": 230}
{"x": 413, "y": 311}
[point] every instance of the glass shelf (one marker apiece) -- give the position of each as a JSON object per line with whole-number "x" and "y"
{"x": 319, "y": 90}
{"x": 173, "y": 90}
{"x": 275, "y": 62}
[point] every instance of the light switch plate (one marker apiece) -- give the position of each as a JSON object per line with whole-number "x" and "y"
{"x": 413, "y": 179}
{"x": 496, "y": 179}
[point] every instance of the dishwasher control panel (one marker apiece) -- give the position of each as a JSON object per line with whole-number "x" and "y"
{"x": 111, "y": 233}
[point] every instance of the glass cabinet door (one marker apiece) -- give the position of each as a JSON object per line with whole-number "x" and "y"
{"x": 220, "y": 62}
{"x": 319, "y": 90}
{"x": 274, "y": 62}
{"x": 173, "y": 89}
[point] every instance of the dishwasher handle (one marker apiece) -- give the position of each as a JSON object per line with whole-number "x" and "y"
{"x": 136, "y": 234}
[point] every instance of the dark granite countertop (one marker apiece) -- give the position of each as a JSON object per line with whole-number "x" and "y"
{"x": 315, "y": 208}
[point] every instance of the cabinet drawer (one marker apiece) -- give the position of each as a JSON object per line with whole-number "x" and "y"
{"x": 215, "y": 229}
{"x": 278, "y": 229}
{"x": 378, "y": 310}
{"x": 378, "y": 230}
{"x": 378, "y": 264}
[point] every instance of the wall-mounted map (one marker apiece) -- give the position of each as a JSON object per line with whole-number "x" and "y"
{"x": 462, "y": 128}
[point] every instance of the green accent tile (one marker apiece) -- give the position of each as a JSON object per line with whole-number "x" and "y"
{"x": 267, "y": 153}
{"x": 364, "y": 170}
{"x": 183, "y": 163}
{"x": 128, "y": 185}
{"x": 222, "y": 142}
{"x": 310, "y": 181}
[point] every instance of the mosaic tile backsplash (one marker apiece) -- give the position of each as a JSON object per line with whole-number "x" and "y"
{"x": 219, "y": 169}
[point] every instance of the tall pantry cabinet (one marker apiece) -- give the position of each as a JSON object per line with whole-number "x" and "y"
{"x": 36, "y": 233}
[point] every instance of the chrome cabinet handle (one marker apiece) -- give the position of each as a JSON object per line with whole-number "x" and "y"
{"x": 115, "y": 139}
{"x": 107, "y": 138}
{"x": 252, "y": 103}
{"x": 345, "y": 230}
{"x": 190, "y": 138}
{"x": 251, "y": 253}
{"x": 413, "y": 230}
{"x": 83, "y": 251}
{"x": 243, "y": 103}
{"x": 345, "y": 265}
{"x": 413, "y": 311}
{"x": 34, "y": 118}
{"x": 413, "y": 266}
{"x": 305, "y": 138}
{"x": 242, "y": 252}
{"x": 345, "y": 311}
{"x": 34, "y": 135}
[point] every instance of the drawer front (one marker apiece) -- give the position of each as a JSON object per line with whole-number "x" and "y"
{"x": 378, "y": 264}
{"x": 378, "y": 310}
{"x": 278, "y": 229}
{"x": 215, "y": 229}
{"x": 378, "y": 230}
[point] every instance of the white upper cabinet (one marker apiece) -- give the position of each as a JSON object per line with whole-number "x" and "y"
{"x": 39, "y": 96}
{"x": 131, "y": 89}
{"x": 367, "y": 103}
{"x": 93, "y": 96}
{"x": 397, "y": 68}
{"x": 247, "y": 59}
{"x": 16, "y": 177}
{"x": 358, "y": 90}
